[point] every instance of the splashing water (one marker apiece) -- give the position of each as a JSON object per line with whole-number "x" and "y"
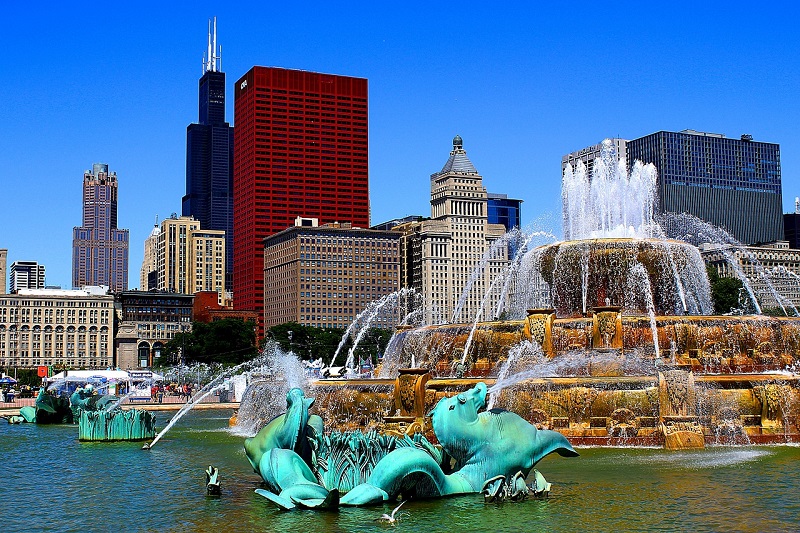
{"x": 614, "y": 203}
{"x": 478, "y": 315}
{"x": 525, "y": 348}
{"x": 214, "y": 385}
{"x": 641, "y": 285}
{"x": 265, "y": 396}
{"x": 364, "y": 319}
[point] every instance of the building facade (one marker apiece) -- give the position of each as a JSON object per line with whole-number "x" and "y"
{"x": 301, "y": 150}
{"x": 3, "y": 266}
{"x": 99, "y": 248}
{"x": 732, "y": 183}
{"x": 148, "y": 274}
{"x": 588, "y": 155}
{"x": 207, "y": 309}
{"x": 209, "y": 157}
{"x": 189, "y": 258}
{"x": 27, "y": 275}
{"x": 147, "y": 322}
{"x": 52, "y": 327}
{"x": 451, "y": 259}
{"x": 500, "y": 209}
{"x": 324, "y": 276}
{"x": 772, "y": 270}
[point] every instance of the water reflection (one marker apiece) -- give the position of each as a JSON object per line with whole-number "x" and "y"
{"x": 54, "y": 482}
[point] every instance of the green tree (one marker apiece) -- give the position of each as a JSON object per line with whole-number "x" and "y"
{"x": 724, "y": 291}
{"x": 309, "y": 342}
{"x": 227, "y": 341}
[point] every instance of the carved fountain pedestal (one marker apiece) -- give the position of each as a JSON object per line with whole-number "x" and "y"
{"x": 679, "y": 422}
{"x": 409, "y": 403}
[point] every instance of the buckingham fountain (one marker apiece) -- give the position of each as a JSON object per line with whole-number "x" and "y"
{"x": 608, "y": 339}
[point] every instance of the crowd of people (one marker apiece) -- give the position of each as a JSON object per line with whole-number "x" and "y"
{"x": 158, "y": 391}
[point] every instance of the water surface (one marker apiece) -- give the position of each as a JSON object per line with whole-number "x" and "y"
{"x": 53, "y": 482}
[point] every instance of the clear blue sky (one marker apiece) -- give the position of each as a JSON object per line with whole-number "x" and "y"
{"x": 522, "y": 83}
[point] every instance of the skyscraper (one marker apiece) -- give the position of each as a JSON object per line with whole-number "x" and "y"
{"x": 301, "y": 150}
{"x": 148, "y": 274}
{"x": 99, "y": 248}
{"x": 209, "y": 156}
{"x": 27, "y": 275}
{"x": 190, "y": 259}
{"x": 439, "y": 256}
{"x": 3, "y": 260}
{"x": 731, "y": 183}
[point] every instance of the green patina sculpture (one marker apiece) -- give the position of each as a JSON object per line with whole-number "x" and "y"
{"x": 48, "y": 410}
{"x": 116, "y": 425}
{"x": 95, "y": 423}
{"x": 85, "y": 399}
{"x": 490, "y": 452}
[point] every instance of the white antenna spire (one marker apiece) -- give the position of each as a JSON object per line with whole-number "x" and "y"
{"x": 797, "y": 204}
{"x": 214, "y": 49}
{"x": 208, "y": 54}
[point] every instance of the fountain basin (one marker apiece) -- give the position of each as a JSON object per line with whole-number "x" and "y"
{"x": 585, "y": 274}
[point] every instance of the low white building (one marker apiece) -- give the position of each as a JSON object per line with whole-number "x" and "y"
{"x": 772, "y": 269}
{"x": 47, "y": 327}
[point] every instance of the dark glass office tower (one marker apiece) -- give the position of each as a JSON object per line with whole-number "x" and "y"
{"x": 732, "y": 183}
{"x": 209, "y": 158}
{"x": 504, "y": 210}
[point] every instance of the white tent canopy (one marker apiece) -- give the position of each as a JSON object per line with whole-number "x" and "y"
{"x": 114, "y": 376}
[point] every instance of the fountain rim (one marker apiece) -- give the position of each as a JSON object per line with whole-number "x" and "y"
{"x": 575, "y": 242}
{"x": 625, "y": 317}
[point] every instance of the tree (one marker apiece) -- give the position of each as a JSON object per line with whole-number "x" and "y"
{"x": 724, "y": 291}
{"x": 309, "y": 342}
{"x": 227, "y": 341}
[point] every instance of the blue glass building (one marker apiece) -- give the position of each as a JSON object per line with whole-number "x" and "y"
{"x": 504, "y": 210}
{"x": 209, "y": 163}
{"x": 732, "y": 183}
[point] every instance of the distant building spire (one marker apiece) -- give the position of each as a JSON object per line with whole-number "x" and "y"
{"x": 213, "y": 54}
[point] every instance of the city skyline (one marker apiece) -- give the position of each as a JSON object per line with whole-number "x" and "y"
{"x": 523, "y": 87}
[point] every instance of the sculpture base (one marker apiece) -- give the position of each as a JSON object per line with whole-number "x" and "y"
{"x": 683, "y": 433}
{"x": 117, "y": 425}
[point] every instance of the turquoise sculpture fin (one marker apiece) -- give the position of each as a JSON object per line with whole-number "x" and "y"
{"x": 283, "y": 503}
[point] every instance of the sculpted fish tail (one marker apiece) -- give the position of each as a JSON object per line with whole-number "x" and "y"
{"x": 552, "y": 441}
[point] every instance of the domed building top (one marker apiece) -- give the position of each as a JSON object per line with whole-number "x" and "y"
{"x": 458, "y": 161}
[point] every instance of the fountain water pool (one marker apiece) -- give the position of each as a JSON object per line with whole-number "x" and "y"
{"x": 653, "y": 490}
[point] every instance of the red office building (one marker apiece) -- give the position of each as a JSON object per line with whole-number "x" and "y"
{"x": 301, "y": 150}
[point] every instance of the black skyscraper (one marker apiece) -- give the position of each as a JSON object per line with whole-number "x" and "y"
{"x": 732, "y": 183}
{"x": 209, "y": 159}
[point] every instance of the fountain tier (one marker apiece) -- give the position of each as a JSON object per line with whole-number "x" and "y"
{"x": 640, "y": 275}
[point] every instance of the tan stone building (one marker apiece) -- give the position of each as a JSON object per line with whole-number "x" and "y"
{"x": 46, "y": 327}
{"x": 324, "y": 276}
{"x": 148, "y": 320}
{"x": 189, "y": 258}
{"x": 3, "y": 263}
{"x": 440, "y": 255}
{"x": 780, "y": 263}
{"x": 148, "y": 274}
